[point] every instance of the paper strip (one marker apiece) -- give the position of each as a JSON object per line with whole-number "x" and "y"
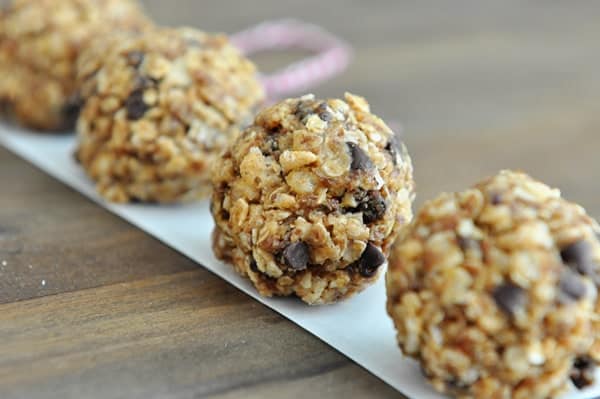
{"x": 359, "y": 328}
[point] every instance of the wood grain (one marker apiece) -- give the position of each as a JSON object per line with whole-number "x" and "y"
{"x": 180, "y": 334}
{"x": 53, "y": 241}
{"x": 92, "y": 307}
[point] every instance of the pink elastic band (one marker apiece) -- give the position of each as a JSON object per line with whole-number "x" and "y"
{"x": 332, "y": 54}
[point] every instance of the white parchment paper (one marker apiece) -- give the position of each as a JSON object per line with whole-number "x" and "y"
{"x": 359, "y": 327}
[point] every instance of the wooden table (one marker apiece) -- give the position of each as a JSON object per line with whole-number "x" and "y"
{"x": 92, "y": 307}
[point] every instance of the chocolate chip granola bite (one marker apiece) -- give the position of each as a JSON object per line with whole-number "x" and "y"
{"x": 159, "y": 108}
{"x": 39, "y": 44}
{"x": 493, "y": 290}
{"x": 308, "y": 200}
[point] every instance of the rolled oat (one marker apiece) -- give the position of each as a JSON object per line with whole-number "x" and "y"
{"x": 159, "y": 108}
{"x": 308, "y": 200}
{"x": 493, "y": 290}
{"x": 39, "y": 44}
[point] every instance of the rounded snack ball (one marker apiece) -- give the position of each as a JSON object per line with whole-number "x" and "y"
{"x": 39, "y": 44}
{"x": 308, "y": 200}
{"x": 493, "y": 290}
{"x": 159, "y": 108}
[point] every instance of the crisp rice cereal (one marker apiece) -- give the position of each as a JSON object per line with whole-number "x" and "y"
{"x": 39, "y": 44}
{"x": 159, "y": 108}
{"x": 308, "y": 199}
{"x": 493, "y": 290}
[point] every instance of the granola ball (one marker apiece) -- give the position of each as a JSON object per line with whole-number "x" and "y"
{"x": 308, "y": 200}
{"x": 159, "y": 108}
{"x": 493, "y": 290}
{"x": 39, "y": 44}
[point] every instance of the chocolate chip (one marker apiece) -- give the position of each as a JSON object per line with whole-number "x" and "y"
{"x": 70, "y": 110}
{"x": 374, "y": 209}
{"x": 360, "y": 159}
{"x": 324, "y": 114}
{"x": 225, "y": 214}
{"x": 135, "y": 58}
{"x": 583, "y": 372}
{"x": 371, "y": 204}
{"x": 583, "y": 362}
{"x": 274, "y": 145}
{"x": 572, "y": 288}
{"x": 135, "y": 105}
{"x": 575, "y": 251}
{"x": 369, "y": 261}
{"x": 254, "y": 266}
{"x": 271, "y": 145}
{"x": 455, "y": 384}
{"x": 578, "y": 255}
{"x": 510, "y": 298}
{"x": 393, "y": 147}
{"x": 467, "y": 243}
{"x": 145, "y": 82}
{"x": 496, "y": 198}
{"x": 303, "y": 109}
{"x": 297, "y": 255}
